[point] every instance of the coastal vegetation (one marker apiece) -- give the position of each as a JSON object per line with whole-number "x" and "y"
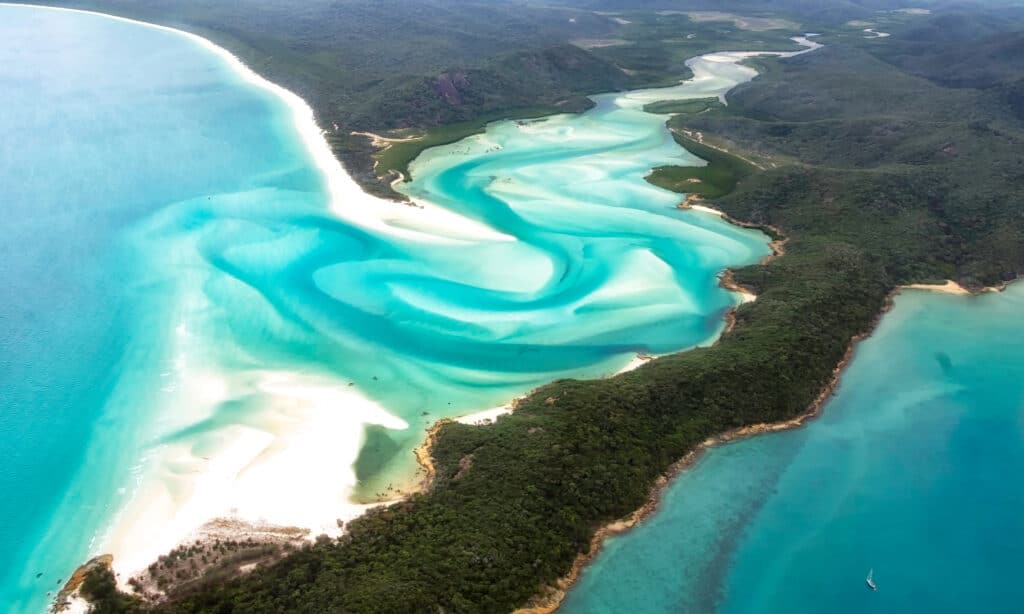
{"x": 889, "y": 173}
{"x": 99, "y": 588}
{"x": 717, "y": 179}
{"x": 687, "y": 107}
{"x": 723, "y": 169}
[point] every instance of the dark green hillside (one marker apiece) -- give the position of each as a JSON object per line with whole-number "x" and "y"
{"x": 993, "y": 61}
{"x": 552, "y": 77}
{"x": 867, "y": 122}
{"x": 959, "y": 49}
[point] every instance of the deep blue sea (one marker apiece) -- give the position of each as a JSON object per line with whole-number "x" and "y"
{"x": 200, "y": 317}
{"x": 911, "y": 470}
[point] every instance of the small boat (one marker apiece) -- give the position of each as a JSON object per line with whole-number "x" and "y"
{"x": 870, "y": 581}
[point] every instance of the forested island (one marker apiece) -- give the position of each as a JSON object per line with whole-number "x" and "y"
{"x": 877, "y": 162}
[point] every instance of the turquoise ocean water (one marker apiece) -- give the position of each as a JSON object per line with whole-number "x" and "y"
{"x": 912, "y": 470}
{"x": 181, "y": 294}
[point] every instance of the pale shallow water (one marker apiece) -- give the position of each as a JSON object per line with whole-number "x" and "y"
{"x": 197, "y": 321}
{"x": 911, "y": 470}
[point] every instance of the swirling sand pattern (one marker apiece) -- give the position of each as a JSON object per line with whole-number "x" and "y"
{"x": 226, "y": 305}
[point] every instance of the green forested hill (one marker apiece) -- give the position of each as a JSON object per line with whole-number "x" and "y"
{"x": 867, "y": 125}
{"x": 548, "y": 76}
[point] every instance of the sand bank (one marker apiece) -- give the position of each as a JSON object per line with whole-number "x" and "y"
{"x": 635, "y": 363}
{"x": 950, "y": 287}
{"x": 486, "y": 416}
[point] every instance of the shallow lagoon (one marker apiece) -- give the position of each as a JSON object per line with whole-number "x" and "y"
{"x": 910, "y": 470}
{"x": 201, "y": 316}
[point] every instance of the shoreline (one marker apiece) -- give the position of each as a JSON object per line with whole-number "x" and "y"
{"x": 347, "y": 201}
{"x": 125, "y": 530}
{"x": 952, "y": 287}
{"x": 777, "y": 245}
{"x": 728, "y": 282}
{"x": 551, "y": 600}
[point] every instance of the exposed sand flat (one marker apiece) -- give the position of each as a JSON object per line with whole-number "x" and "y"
{"x": 484, "y": 417}
{"x": 871, "y": 33}
{"x": 382, "y": 141}
{"x": 290, "y": 466}
{"x": 950, "y": 287}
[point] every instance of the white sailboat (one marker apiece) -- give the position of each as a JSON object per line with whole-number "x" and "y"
{"x": 870, "y": 580}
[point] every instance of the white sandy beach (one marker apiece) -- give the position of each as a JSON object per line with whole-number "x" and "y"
{"x": 950, "y": 287}
{"x": 486, "y": 416}
{"x": 635, "y": 363}
{"x": 289, "y": 465}
{"x": 489, "y": 416}
{"x": 704, "y": 209}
